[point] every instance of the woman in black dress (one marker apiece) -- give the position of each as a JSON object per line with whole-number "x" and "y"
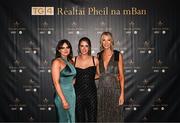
{"x": 87, "y": 68}
{"x": 111, "y": 81}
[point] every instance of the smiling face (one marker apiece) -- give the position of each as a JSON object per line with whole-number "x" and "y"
{"x": 106, "y": 41}
{"x": 84, "y": 48}
{"x": 64, "y": 50}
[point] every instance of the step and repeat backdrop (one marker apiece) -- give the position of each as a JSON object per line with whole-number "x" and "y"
{"x": 145, "y": 32}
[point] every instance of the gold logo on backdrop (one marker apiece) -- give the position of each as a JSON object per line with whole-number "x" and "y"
{"x": 42, "y": 11}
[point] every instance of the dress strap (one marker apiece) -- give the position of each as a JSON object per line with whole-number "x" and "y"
{"x": 93, "y": 61}
{"x": 65, "y": 60}
{"x": 99, "y": 55}
{"x": 75, "y": 61}
{"x": 116, "y": 55}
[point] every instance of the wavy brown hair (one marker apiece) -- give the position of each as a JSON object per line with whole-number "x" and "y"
{"x": 58, "y": 47}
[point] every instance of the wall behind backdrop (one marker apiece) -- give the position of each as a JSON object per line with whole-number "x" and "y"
{"x": 145, "y": 32}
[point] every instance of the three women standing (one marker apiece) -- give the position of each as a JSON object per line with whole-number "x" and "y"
{"x": 92, "y": 104}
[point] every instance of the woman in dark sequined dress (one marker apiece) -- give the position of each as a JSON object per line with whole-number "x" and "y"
{"x": 111, "y": 82}
{"x": 87, "y": 68}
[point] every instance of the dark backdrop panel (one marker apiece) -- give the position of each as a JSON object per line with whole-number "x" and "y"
{"x": 149, "y": 43}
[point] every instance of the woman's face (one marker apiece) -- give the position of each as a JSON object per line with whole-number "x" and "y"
{"x": 64, "y": 50}
{"x": 106, "y": 41}
{"x": 84, "y": 47}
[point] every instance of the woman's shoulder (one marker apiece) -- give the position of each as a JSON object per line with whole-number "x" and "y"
{"x": 99, "y": 52}
{"x": 117, "y": 55}
{"x": 116, "y": 51}
{"x": 73, "y": 59}
{"x": 96, "y": 59}
{"x": 57, "y": 61}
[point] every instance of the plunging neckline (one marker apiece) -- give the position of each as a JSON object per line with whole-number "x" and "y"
{"x": 85, "y": 67}
{"x": 106, "y": 68}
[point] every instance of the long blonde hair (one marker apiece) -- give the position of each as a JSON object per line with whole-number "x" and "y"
{"x": 112, "y": 41}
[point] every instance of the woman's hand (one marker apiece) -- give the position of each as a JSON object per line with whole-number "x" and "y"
{"x": 121, "y": 99}
{"x": 65, "y": 105}
{"x": 74, "y": 81}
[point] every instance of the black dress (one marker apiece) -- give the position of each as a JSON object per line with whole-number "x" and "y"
{"x": 86, "y": 94}
{"x": 109, "y": 91}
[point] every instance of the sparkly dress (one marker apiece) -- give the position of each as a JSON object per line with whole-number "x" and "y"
{"x": 109, "y": 91}
{"x": 86, "y": 94}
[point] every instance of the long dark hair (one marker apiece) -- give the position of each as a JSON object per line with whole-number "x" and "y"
{"x": 58, "y": 47}
{"x": 87, "y": 40}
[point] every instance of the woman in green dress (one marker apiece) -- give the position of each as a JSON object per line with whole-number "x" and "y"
{"x": 63, "y": 73}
